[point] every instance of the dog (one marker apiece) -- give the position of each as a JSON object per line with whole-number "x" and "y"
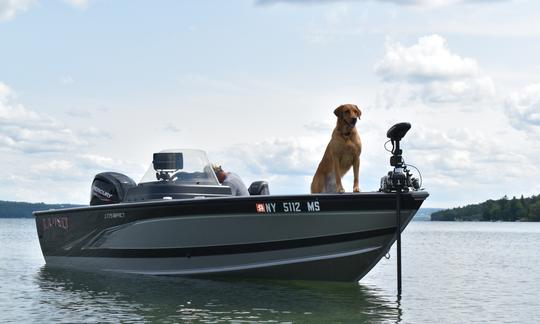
{"x": 342, "y": 153}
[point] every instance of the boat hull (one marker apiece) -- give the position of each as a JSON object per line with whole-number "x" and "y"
{"x": 332, "y": 237}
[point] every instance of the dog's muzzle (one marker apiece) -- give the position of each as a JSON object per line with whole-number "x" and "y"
{"x": 353, "y": 121}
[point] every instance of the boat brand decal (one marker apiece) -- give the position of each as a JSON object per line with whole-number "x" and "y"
{"x": 55, "y": 222}
{"x": 102, "y": 192}
{"x": 288, "y": 207}
{"x": 114, "y": 215}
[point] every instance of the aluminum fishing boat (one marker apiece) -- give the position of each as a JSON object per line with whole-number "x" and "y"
{"x": 178, "y": 220}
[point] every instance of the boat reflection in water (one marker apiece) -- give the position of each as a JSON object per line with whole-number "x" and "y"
{"x": 179, "y": 221}
{"x": 95, "y": 297}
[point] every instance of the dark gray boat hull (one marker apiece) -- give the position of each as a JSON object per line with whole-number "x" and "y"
{"x": 331, "y": 237}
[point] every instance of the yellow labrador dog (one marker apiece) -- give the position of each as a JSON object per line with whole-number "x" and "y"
{"x": 342, "y": 152}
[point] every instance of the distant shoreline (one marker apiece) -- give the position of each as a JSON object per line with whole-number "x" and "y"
{"x": 505, "y": 209}
{"x": 19, "y": 209}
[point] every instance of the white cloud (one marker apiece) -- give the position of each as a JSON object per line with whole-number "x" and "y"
{"x": 419, "y": 3}
{"x": 171, "y": 127}
{"x": 523, "y": 109}
{"x": 428, "y": 60}
{"x": 27, "y": 131}
{"x": 288, "y": 164}
{"x": 320, "y": 127}
{"x": 10, "y": 8}
{"x": 277, "y": 156}
{"x": 431, "y": 73}
{"x": 465, "y": 165}
{"x": 466, "y": 90}
{"x": 94, "y": 133}
{"x": 80, "y": 4}
{"x": 57, "y": 177}
{"x": 41, "y": 153}
{"x": 66, "y": 80}
{"x": 77, "y": 167}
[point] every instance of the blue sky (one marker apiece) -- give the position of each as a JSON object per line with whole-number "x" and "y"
{"x": 89, "y": 86}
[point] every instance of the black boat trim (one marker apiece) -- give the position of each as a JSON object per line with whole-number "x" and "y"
{"x": 232, "y": 248}
{"x": 247, "y": 205}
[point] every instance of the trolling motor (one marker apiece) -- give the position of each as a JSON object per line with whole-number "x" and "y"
{"x": 400, "y": 177}
{"x": 398, "y": 181}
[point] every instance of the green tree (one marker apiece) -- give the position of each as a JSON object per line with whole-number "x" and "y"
{"x": 505, "y": 208}
{"x": 520, "y": 212}
{"x": 492, "y": 211}
{"x": 534, "y": 212}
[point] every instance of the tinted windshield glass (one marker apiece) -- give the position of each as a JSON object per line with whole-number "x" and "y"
{"x": 196, "y": 169}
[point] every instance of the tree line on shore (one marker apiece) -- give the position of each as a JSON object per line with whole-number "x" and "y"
{"x": 16, "y": 209}
{"x": 504, "y": 209}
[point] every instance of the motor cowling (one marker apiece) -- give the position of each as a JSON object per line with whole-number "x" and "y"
{"x": 110, "y": 188}
{"x": 259, "y": 188}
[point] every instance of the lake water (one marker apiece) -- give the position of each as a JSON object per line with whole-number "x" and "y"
{"x": 452, "y": 273}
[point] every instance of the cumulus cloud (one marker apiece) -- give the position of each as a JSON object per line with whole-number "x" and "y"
{"x": 428, "y": 60}
{"x": 287, "y": 164}
{"x": 25, "y": 130}
{"x": 418, "y": 3}
{"x": 171, "y": 127}
{"x": 433, "y": 73}
{"x": 462, "y": 156}
{"x": 78, "y": 167}
{"x": 10, "y": 8}
{"x": 278, "y": 156}
{"x": 523, "y": 109}
{"x": 80, "y": 4}
{"x": 320, "y": 127}
{"x": 57, "y": 178}
{"x": 41, "y": 153}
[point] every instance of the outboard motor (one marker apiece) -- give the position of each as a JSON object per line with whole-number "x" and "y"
{"x": 259, "y": 188}
{"x": 110, "y": 188}
{"x": 400, "y": 178}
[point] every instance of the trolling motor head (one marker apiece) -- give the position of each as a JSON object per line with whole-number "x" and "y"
{"x": 395, "y": 134}
{"x": 400, "y": 178}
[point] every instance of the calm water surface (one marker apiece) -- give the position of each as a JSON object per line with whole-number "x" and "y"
{"x": 452, "y": 273}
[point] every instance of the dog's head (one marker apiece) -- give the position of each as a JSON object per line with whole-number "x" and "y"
{"x": 347, "y": 115}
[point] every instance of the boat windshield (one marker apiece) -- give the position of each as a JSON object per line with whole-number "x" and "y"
{"x": 193, "y": 169}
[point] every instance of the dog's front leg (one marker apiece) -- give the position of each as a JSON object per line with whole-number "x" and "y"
{"x": 337, "y": 174}
{"x": 356, "y": 171}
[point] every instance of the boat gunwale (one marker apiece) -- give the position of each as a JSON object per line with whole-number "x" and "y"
{"x": 416, "y": 195}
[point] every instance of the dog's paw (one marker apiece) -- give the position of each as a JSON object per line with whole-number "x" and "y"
{"x": 341, "y": 190}
{"x": 356, "y": 189}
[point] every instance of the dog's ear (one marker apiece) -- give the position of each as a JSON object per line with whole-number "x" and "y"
{"x": 338, "y": 111}
{"x": 358, "y": 111}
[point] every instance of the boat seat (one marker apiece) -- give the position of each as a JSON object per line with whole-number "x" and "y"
{"x": 259, "y": 188}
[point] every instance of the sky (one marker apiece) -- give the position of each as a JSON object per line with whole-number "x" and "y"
{"x": 88, "y": 86}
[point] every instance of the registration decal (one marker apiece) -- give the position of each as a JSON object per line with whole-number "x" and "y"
{"x": 288, "y": 207}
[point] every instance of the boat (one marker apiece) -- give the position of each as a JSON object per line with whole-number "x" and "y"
{"x": 180, "y": 221}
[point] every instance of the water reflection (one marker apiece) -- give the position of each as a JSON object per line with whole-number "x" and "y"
{"x": 96, "y": 297}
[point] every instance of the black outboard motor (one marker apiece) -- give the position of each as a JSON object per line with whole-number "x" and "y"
{"x": 400, "y": 177}
{"x": 259, "y": 188}
{"x": 110, "y": 188}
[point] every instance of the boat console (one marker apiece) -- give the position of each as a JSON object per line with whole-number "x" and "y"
{"x": 173, "y": 174}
